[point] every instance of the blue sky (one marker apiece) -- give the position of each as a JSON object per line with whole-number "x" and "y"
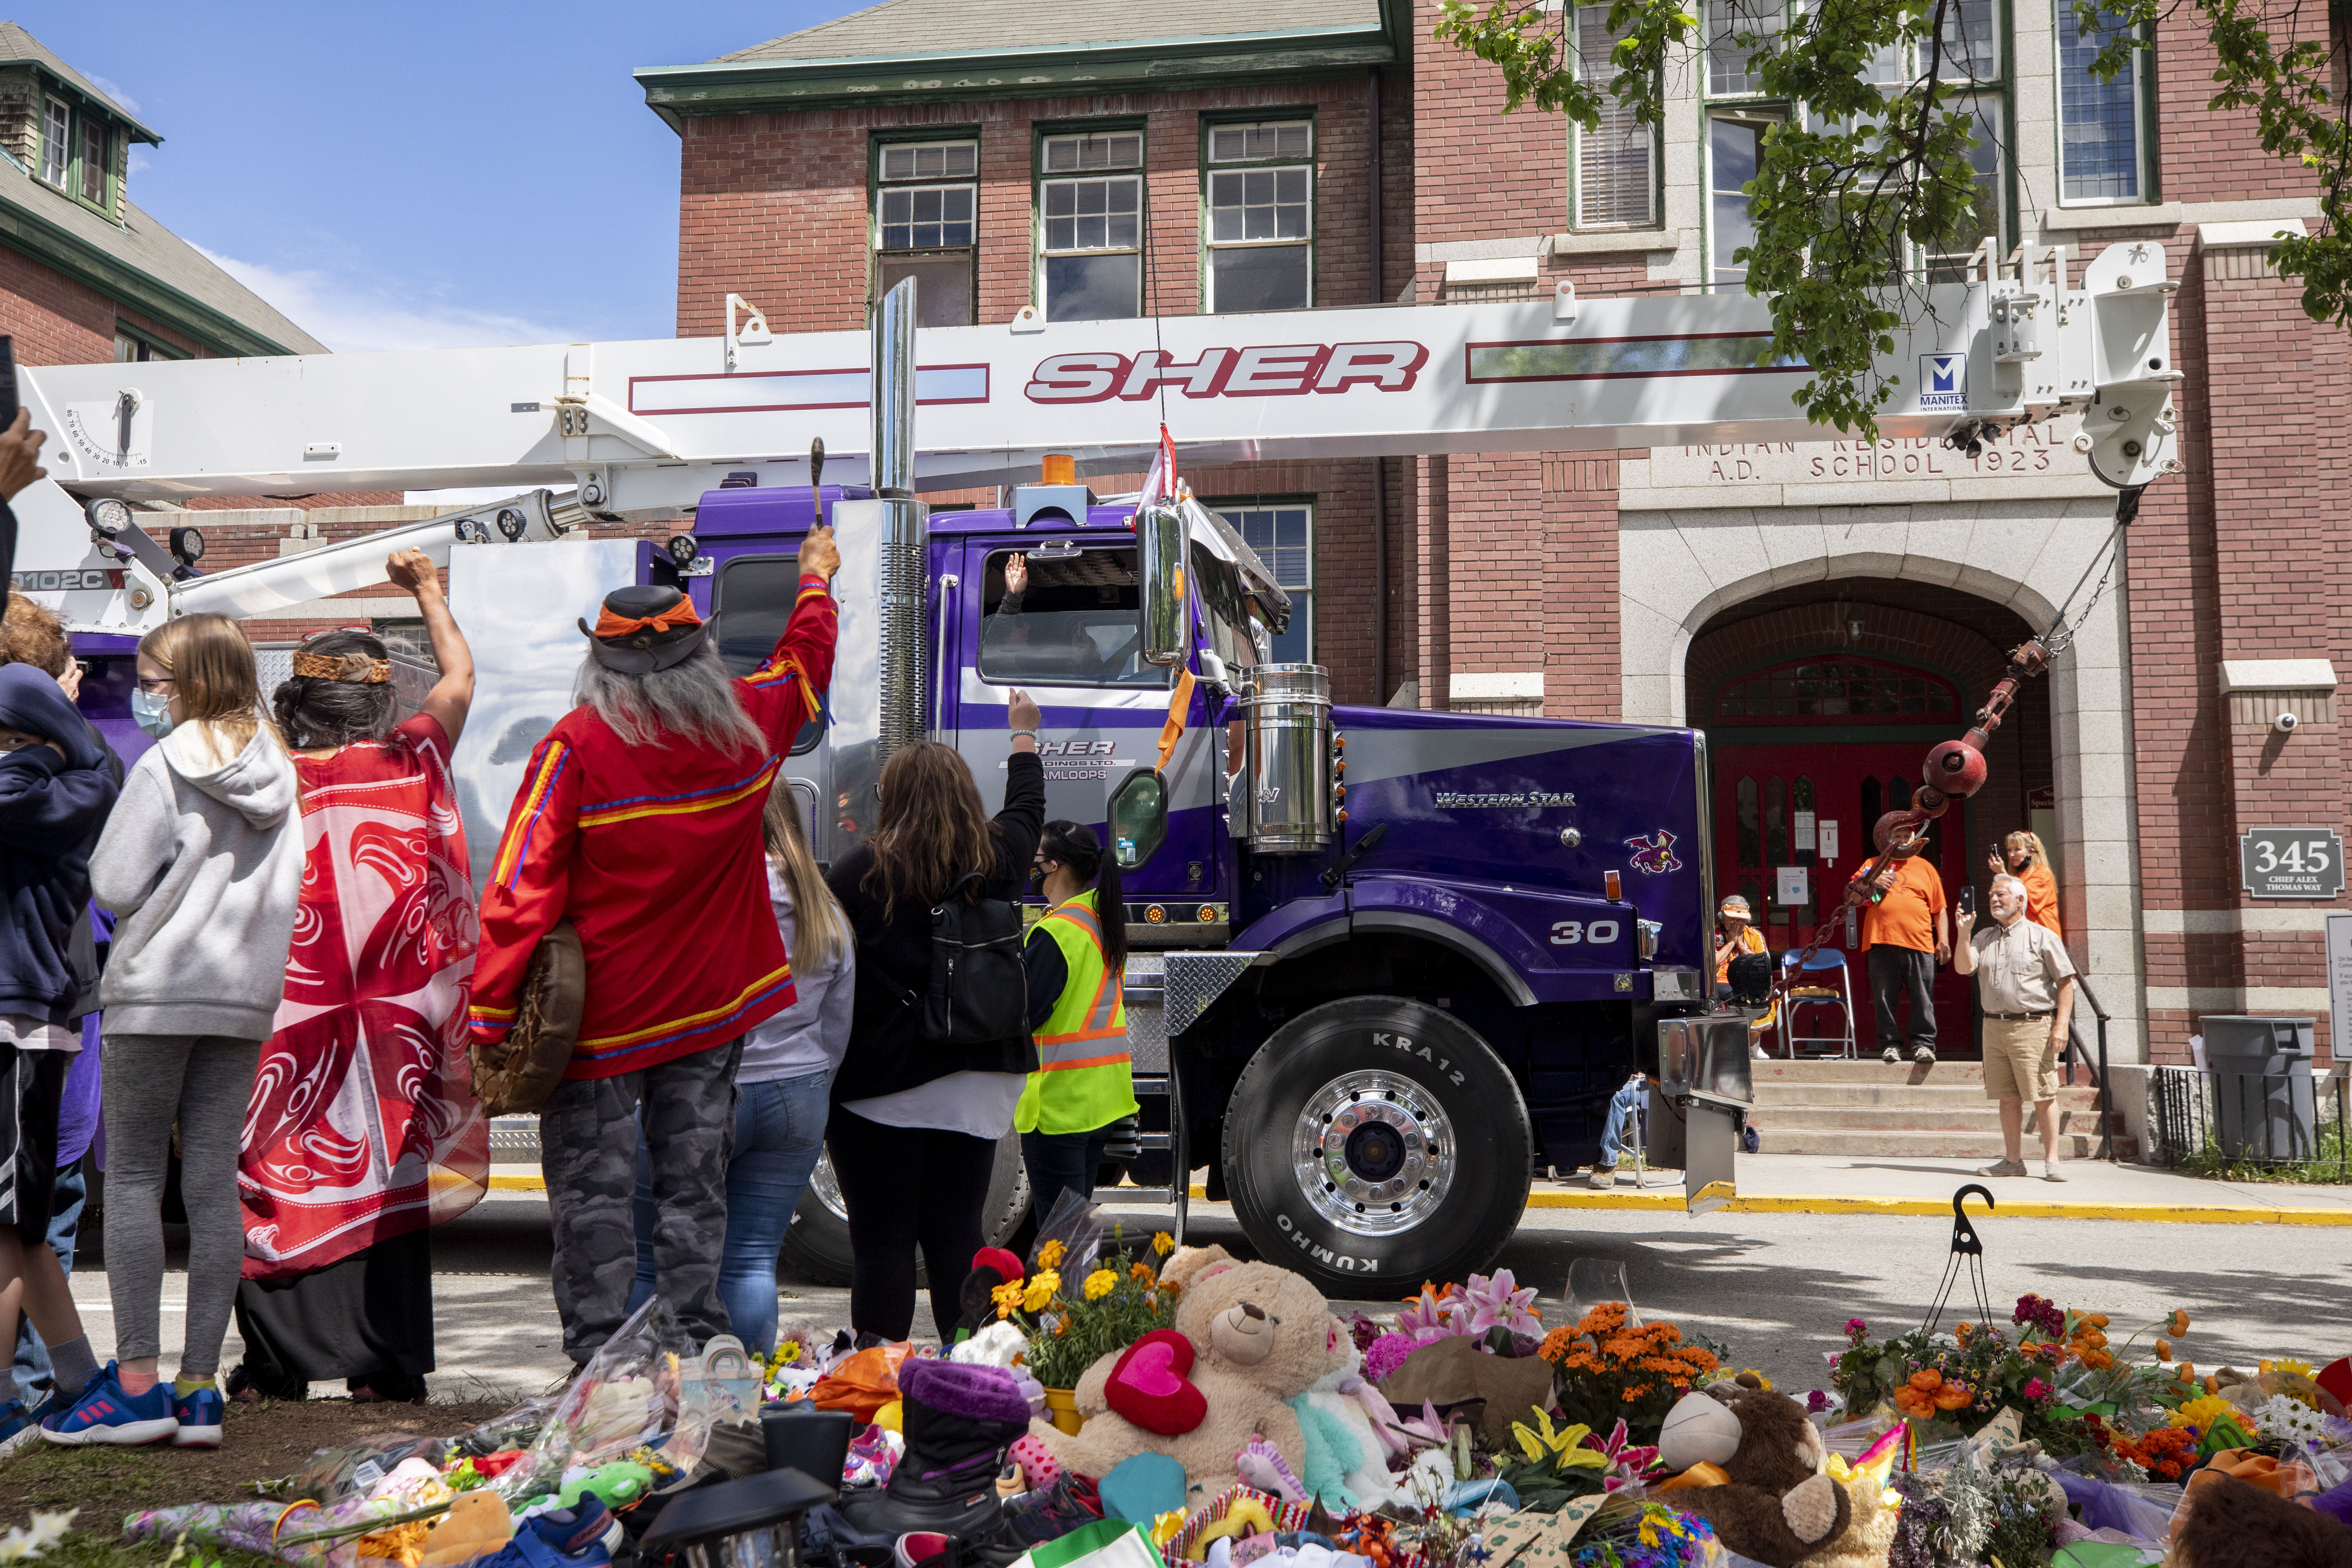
{"x": 418, "y": 174}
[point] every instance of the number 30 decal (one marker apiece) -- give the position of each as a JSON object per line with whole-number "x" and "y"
{"x": 2301, "y": 854}
{"x": 1568, "y": 934}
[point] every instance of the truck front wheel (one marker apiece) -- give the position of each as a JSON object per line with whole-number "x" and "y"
{"x": 817, "y": 1247}
{"x": 1375, "y": 1143}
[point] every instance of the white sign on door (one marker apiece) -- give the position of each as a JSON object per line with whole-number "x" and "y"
{"x": 1795, "y": 886}
{"x": 1827, "y": 834}
{"x": 1804, "y": 839}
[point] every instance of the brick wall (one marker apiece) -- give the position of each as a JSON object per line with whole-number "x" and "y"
{"x": 774, "y": 206}
{"x": 57, "y": 321}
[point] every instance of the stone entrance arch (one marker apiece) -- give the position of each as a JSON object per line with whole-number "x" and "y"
{"x": 1678, "y": 568}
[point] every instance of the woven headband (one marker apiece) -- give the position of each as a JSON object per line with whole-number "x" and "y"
{"x": 679, "y": 615}
{"x": 353, "y": 667}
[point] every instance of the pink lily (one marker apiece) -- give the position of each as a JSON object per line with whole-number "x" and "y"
{"x": 1425, "y": 1317}
{"x": 1495, "y": 1301}
{"x": 1428, "y": 1430}
{"x": 1626, "y": 1461}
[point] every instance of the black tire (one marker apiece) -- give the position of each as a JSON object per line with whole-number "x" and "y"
{"x": 816, "y": 1247}
{"x": 1452, "y": 1200}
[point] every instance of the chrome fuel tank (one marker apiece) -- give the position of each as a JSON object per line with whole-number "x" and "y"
{"x": 1283, "y": 803}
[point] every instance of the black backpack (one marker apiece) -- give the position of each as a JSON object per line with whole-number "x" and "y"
{"x": 979, "y": 990}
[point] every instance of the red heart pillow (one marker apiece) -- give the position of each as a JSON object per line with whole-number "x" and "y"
{"x": 1149, "y": 1386}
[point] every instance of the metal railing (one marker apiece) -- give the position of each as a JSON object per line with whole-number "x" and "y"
{"x": 2212, "y": 1120}
{"x": 2075, "y": 1053}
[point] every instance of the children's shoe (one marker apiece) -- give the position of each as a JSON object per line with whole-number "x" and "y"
{"x": 17, "y": 1427}
{"x": 104, "y": 1413}
{"x": 199, "y": 1416}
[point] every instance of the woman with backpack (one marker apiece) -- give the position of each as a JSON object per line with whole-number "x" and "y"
{"x": 916, "y": 1120}
{"x": 1077, "y": 960}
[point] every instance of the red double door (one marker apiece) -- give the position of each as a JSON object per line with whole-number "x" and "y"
{"x": 1771, "y": 804}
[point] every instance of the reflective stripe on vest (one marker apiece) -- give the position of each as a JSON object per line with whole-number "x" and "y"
{"x": 1084, "y": 1079}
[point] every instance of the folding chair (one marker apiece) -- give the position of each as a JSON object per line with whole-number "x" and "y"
{"x": 1800, "y": 998}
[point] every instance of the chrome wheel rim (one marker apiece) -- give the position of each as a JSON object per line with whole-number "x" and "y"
{"x": 827, "y": 1189}
{"x": 1374, "y": 1153}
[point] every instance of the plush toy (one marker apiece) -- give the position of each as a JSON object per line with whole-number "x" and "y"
{"x": 1776, "y": 1506}
{"x": 1258, "y": 1334}
{"x": 477, "y": 1525}
{"x": 1349, "y": 1429}
{"x": 2231, "y": 1523}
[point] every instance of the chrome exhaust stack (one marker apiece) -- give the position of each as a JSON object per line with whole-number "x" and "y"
{"x": 903, "y": 565}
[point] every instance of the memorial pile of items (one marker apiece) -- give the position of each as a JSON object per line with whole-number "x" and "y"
{"x": 1117, "y": 1404}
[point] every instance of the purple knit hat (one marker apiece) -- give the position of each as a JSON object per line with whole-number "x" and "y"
{"x": 974, "y": 1392}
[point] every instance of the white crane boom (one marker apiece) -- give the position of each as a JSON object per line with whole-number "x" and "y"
{"x": 646, "y": 427}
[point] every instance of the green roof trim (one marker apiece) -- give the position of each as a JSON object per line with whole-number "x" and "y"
{"x": 18, "y": 46}
{"x": 22, "y": 230}
{"x": 746, "y": 86}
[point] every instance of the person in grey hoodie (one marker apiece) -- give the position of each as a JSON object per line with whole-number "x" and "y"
{"x": 202, "y": 865}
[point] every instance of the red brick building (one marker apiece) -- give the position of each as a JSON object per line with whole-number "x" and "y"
{"x": 1825, "y": 611}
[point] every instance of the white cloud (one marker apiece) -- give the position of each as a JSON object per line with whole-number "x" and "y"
{"x": 116, "y": 93}
{"x": 353, "y": 313}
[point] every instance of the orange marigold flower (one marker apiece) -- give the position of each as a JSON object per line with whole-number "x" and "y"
{"x": 1556, "y": 1344}
{"x": 1140, "y": 1271}
{"x": 1172, "y": 1288}
{"x": 2179, "y": 1322}
{"x": 1954, "y": 1399}
{"x": 2163, "y": 1350}
{"x": 1927, "y": 1379}
{"x": 2096, "y": 1319}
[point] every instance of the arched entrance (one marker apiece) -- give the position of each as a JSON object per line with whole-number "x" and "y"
{"x": 1819, "y": 706}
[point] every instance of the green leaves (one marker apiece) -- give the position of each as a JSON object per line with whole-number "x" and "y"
{"x": 1877, "y": 178}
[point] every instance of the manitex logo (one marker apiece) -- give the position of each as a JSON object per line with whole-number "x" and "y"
{"x": 1289, "y": 370}
{"x": 1943, "y": 381}
{"x": 1455, "y": 800}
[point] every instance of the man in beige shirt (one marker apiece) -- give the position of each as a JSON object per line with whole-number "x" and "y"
{"x": 2026, "y": 981}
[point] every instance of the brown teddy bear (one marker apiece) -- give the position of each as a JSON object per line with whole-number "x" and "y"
{"x": 1260, "y": 1335}
{"x": 1778, "y": 1507}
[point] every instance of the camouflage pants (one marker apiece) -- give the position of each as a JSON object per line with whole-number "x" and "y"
{"x": 588, "y": 1133}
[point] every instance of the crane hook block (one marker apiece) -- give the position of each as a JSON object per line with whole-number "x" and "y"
{"x": 1956, "y": 768}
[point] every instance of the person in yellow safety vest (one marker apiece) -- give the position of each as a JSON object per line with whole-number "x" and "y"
{"x": 1077, "y": 960}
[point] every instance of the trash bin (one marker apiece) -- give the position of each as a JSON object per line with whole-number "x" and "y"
{"x": 2263, "y": 1102}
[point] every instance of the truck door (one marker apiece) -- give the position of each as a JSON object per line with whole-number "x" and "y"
{"x": 1074, "y": 642}
{"x": 751, "y": 597}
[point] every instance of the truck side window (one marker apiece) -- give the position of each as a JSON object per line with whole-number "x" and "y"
{"x": 752, "y": 598}
{"x": 1074, "y": 624}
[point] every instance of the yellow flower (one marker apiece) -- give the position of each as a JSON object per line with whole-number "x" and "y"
{"x": 1565, "y": 1445}
{"x": 2285, "y": 1364}
{"x": 2202, "y": 1413}
{"x": 1039, "y": 1290}
{"x": 1100, "y": 1283}
{"x": 1751, "y": 1372}
{"x": 1163, "y": 1243}
{"x": 1006, "y": 1297}
{"x": 1050, "y": 1256}
{"x": 1654, "y": 1520}
{"x": 788, "y": 1353}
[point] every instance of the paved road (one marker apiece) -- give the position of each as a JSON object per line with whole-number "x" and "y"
{"x": 1774, "y": 1287}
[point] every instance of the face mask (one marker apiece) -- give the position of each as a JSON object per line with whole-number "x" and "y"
{"x": 152, "y": 712}
{"x": 1037, "y": 879}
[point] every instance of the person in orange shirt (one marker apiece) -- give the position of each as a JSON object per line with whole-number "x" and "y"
{"x": 1907, "y": 932}
{"x": 2029, "y": 862}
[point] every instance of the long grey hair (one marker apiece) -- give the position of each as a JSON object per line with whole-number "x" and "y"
{"x": 694, "y": 699}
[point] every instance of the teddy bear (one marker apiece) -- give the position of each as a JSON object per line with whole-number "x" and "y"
{"x": 1253, "y": 1337}
{"x": 1776, "y": 1505}
{"x": 1350, "y": 1431}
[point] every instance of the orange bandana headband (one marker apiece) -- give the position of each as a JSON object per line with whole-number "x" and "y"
{"x": 678, "y": 615}
{"x": 351, "y": 667}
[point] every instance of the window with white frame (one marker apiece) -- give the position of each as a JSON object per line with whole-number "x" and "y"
{"x": 1090, "y": 224}
{"x": 1283, "y": 537}
{"x": 1971, "y": 53}
{"x": 57, "y": 141}
{"x": 2101, "y": 132}
{"x": 1616, "y": 161}
{"x": 1261, "y": 216}
{"x": 925, "y": 202}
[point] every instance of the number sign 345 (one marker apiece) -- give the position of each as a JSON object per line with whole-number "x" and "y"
{"x": 2292, "y": 862}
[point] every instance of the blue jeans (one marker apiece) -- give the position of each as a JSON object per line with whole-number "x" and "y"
{"x": 1059, "y": 1159}
{"x": 64, "y": 1222}
{"x": 778, "y": 1134}
{"x": 1621, "y": 1128}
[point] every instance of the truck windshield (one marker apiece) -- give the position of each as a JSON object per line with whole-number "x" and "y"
{"x": 751, "y": 601}
{"x": 1072, "y": 624}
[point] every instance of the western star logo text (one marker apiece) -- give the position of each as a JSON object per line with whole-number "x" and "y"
{"x": 1449, "y": 800}
{"x": 1286, "y": 371}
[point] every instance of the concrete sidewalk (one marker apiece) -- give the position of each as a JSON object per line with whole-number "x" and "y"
{"x": 1836, "y": 1184}
{"x": 1830, "y": 1183}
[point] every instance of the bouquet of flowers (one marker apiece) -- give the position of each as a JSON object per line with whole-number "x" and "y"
{"x": 1070, "y": 1327}
{"x": 1492, "y": 1307}
{"x": 1654, "y": 1536}
{"x": 1606, "y": 1368}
